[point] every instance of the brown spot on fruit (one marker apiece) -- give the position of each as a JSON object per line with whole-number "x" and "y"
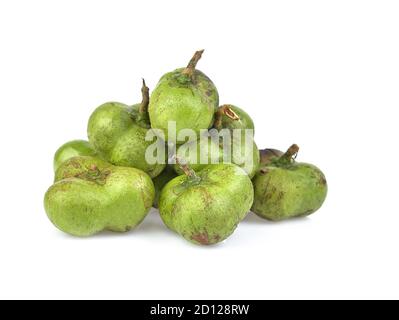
{"x": 206, "y": 197}
{"x": 216, "y": 238}
{"x": 75, "y": 164}
{"x": 201, "y": 237}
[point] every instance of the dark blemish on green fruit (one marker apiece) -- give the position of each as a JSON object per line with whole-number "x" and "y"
{"x": 216, "y": 238}
{"x": 75, "y": 164}
{"x": 206, "y": 196}
{"x": 202, "y": 238}
{"x": 94, "y": 174}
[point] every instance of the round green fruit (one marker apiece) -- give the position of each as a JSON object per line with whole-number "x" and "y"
{"x": 117, "y": 132}
{"x": 206, "y": 207}
{"x": 241, "y": 152}
{"x": 89, "y": 195}
{"x": 286, "y": 189}
{"x": 72, "y": 149}
{"x": 185, "y": 96}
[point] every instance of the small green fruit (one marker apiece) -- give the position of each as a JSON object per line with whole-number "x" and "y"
{"x": 90, "y": 195}
{"x": 161, "y": 180}
{"x": 243, "y": 153}
{"x": 232, "y": 117}
{"x": 187, "y": 97}
{"x": 286, "y": 189}
{"x": 72, "y": 149}
{"x": 117, "y": 132}
{"x": 205, "y": 208}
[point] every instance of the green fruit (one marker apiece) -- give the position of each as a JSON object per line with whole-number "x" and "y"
{"x": 267, "y": 155}
{"x": 286, "y": 189}
{"x": 244, "y": 154}
{"x": 232, "y": 117}
{"x": 187, "y": 97}
{"x": 206, "y": 207}
{"x": 117, "y": 132}
{"x": 90, "y": 195}
{"x": 72, "y": 149}
{"x": 161, "y": 180}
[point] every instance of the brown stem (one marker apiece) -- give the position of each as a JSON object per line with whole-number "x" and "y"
{"x": 190, "y": 173}
{"x": 291, "y": 152}
{"x": 224, "y": 110}
{"x": 145, "y": 92}
{"x": 229, "y": 112}
{"x": 189, "y": 70}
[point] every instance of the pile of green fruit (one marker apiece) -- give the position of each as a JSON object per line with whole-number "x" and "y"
{"x": 106, "y": 183}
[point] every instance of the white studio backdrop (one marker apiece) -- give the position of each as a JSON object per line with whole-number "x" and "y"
{"x": 322, "y": 74}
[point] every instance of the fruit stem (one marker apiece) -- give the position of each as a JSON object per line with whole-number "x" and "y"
{"x": 224, "y": 110}
{"x": 189, "y": 70}
{"x": 190, "y": 173}
{"x": 290, "y": 153}
{"x": 145, "y": 92}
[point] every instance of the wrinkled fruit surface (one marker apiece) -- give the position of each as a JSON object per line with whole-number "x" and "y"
{"x": 72, "y": 149}
{"x": 206, "y": 209}
{"x": 286, "y": 190}
{"x": 90, "y": 195}
{"x": 119, "y": 137}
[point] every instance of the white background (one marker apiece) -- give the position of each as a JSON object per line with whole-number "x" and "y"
{"x": 322, "y": 74}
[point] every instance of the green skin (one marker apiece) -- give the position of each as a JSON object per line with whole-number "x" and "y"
{"x": 187, "y": 97}
{"x": 286, "y": 189}
{"x": 72, "y": 149}
{"x": 205, "y": 208}
{"x": 267, "y": 156}
{"x": 214, "y": 152}
{"x": 160, "y": 181}
{"x": 89, "y": 195}
{"x": 117, "y": 132}
{"x": 226, "y": 117}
